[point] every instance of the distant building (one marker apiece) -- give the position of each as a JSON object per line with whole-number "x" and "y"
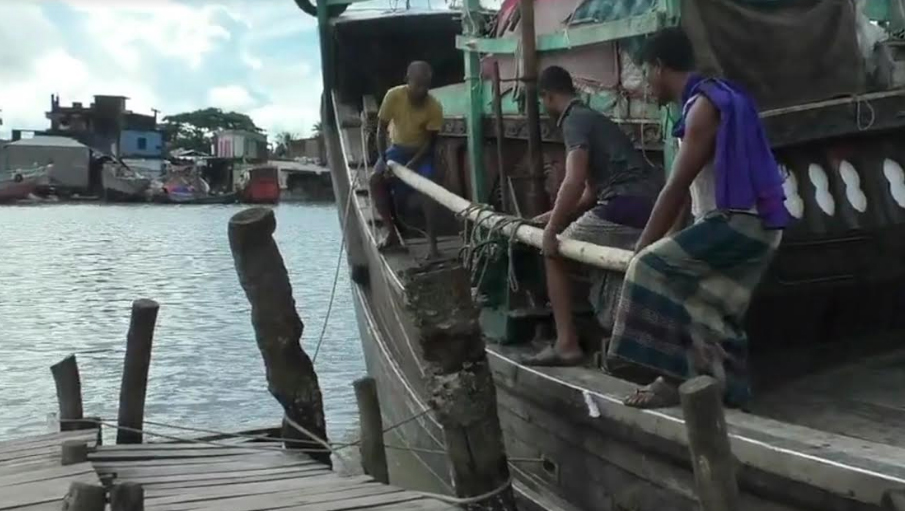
{"x": 312, "y": 148}
{"x": 107, "y": 127}
{"x": 241, "y": 145}
{"x": 70, "y": 160}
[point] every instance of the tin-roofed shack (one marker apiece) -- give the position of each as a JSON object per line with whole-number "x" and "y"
{"x": 71, "y": 160}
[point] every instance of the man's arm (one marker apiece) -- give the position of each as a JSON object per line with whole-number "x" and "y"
{"x": 383, "y": 128}
{"x": 696, "y": 150}
{"x": 587, "y": 201}
{"x": 423, "y": 151}
{"x": 571, "y": 190}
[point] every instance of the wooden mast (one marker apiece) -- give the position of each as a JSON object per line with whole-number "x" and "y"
{"x": 537, "y": 202}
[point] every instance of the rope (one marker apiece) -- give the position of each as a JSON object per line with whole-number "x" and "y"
{"x": 339, "y": 260}
{"x": 186, "y": 440}
{"x": 469, "y": 500}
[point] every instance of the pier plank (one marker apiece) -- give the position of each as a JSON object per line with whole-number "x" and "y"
{"x": 192, "y": 477}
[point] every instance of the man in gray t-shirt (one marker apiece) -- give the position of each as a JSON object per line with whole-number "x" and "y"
{"x": 605, "y": 198}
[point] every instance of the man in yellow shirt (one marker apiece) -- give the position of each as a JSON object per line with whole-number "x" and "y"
{"x": 412, "y": 118}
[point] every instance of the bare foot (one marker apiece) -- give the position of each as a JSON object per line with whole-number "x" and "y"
{"x": 659, "y": 394}
{"x": 390, "y": 243}
{"x": 552, "y": 357}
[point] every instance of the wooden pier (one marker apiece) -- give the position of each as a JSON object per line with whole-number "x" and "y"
{"x": 190, "y": 476}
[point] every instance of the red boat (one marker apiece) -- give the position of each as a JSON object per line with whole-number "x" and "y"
{"x": 261, "y": 185}
{"x": 19, "y": 185}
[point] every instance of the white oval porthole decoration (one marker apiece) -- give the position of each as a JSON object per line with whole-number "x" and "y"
{"x": 896, "y": 177}
{"x": 853, "y": 191}
{"x": 821, "y": 189}
{"x": 794, "y": 204}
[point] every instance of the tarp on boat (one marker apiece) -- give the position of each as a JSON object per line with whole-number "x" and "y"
{"x": 783, "y": 52}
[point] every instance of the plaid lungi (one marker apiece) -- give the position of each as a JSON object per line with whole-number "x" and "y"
{"x": 606, "y": 286}
{"x": 684, "y": 300}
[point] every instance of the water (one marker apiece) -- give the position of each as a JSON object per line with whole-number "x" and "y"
{"x": 69, "y": 273}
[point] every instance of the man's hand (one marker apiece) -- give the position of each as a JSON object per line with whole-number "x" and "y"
{"x": 550, "y": 244}
{"x": 381, "y": 166}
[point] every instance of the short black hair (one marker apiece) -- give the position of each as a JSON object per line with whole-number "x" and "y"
{"x": 556, "y": 79}
{"x": 670, "y": 47}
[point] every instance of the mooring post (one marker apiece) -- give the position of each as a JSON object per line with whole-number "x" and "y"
{"x": 708, "y": 442}
{"x": 69, "y": 393}
{"x": 85, "y": 497}
{"x": 127, "y": 497}
{"x": 278, "y": 329}
{"x": 74, "y": 451}
{"x": 462, "y": 393}
{"x": 135, "y": 371}
{"x": 372, "y": 448}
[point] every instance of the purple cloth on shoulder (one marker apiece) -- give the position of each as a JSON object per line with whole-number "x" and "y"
{"x": 745, "y": 172}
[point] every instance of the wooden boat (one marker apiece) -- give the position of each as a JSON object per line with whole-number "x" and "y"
{"x": 20, "y": 184}
{"x": 824, "y": 432}
{"x": 186, "y": 186}
{"x": 122, "y": 184}
{"x": 260, "y": 185}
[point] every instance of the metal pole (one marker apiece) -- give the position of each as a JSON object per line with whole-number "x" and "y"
{"x": 537, "y": 201}
{"x": 498, "y": 128}
{"x": 471, "y": 21}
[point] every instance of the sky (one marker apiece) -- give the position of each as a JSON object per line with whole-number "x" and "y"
{"x": 259, "y": 57}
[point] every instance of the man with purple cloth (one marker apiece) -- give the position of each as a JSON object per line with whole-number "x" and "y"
{"x": 686, "y": 292}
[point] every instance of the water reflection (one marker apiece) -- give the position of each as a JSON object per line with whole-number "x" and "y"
{"x": 68, "y": 274}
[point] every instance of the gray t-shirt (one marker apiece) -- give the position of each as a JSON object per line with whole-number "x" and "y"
{"x": 616, "y": 168}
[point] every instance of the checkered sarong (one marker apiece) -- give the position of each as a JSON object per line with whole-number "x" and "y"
{"x": 683, "y": 303}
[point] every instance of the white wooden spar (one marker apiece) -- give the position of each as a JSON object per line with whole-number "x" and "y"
{"x": 606, "y": 258}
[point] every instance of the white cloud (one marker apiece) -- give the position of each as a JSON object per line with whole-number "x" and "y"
{"x": 128, "y": 41}
{"x": 169, "y": 28}
{"x": 230, "y": 97}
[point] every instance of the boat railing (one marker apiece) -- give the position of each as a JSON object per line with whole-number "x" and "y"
{"x": 519, "y": 229}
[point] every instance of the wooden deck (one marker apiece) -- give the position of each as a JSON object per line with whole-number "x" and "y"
{"x": 182, "y": 477}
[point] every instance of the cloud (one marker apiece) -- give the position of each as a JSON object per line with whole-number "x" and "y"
{"x": 175, "y": 56}
{"x": 230, "y": 97}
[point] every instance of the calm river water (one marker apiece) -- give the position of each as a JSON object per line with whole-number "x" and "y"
{"x": 68, "y": 275}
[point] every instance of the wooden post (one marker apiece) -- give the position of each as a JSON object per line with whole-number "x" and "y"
{"x": 537, "y": 201}
{"x": 127, "y": 497}
{"x": 500, "y": 138}
{"x": 462, "y": 393}
{"x": 290, "y": 373}
{"x": 135, "y": 370}
{"x": 74, "y": 451}
{"x": 85, "y": 497}
{"x": 373, "y": 450}
{"x": 69, "y": 393}
{"x": 708, "y": 441}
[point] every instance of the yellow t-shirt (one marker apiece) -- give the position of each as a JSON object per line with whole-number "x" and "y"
{"x": 410, "y": 126}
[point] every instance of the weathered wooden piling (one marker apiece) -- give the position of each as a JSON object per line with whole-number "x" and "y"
{"x": 462, "y": 392}
{"x": 708, "y": 442}
{"x": 372, "y": 448}
{"x": 69, "y": 393}
{"x": 278, "y": 329}
{"x": 85, "y": 497}
{"x": 74, "y": 451}
{"x": 135, "y": 371}
{"x": 127, "y": 497}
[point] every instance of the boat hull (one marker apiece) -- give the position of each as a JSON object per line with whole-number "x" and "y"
{"x": 12, "y": 191}
{"x": 573, "y": 445}
{"x": 123, "y": 189}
